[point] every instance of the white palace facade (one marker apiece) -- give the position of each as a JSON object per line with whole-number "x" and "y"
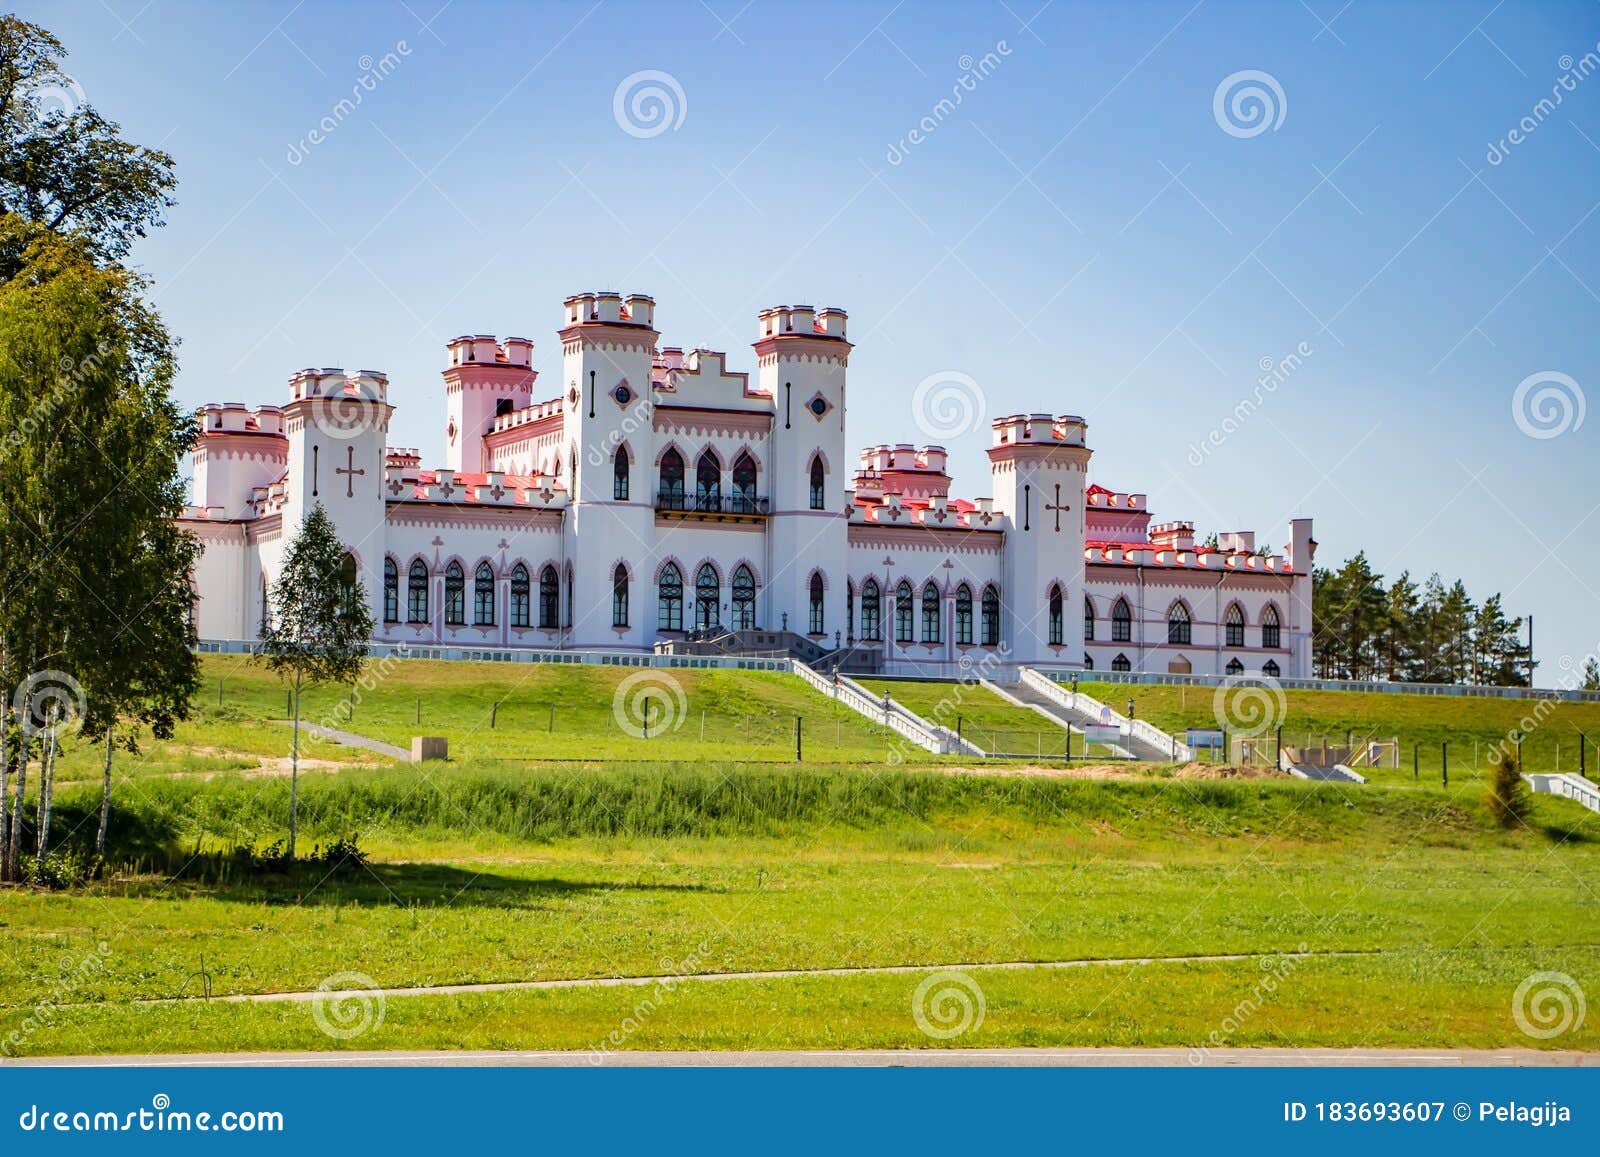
{"x": 659, "y": 499}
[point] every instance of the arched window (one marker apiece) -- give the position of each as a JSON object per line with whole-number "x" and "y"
{"x": 455, "y": 595}
{"x": 619, "y": 596}
{"x": 349, "y": 584}
{"x": 963, "y": 614}
{"x": 1233, "y": 625}
{"x": 1271, "y": 633}
{"x": 744, "y": 484}
{"x": 707, "y": 596}
{"x": 671, "y": 497}
{"x": 669, "y": 603}
{"x": 391, "y": 591}
{"x": 930, "y": 613}
{"x": 902, "y": 613}
{"x": 619, "y": 474}
{"x": 549, "y": 599}
{"x": 849, "y": 611}
{"x": 708, "y": 482}
{"x": 816, "y": 604}
{"x": 1234, "y": 667}
{"x": 1270, "y": 667}
{"x": 1120, "y": 663}
{"x": 744, "y": 599}
{"x": 818, "y": 481}
{"x": 1121, "y": 622}
{"x": 1054, "y": 615}
{"x": 989, "y": 636}
{"x": 1088, "y": 662}
{"x": 871, "y": 612}
{"x": 1179, "y": 629}
{"x": 417, "y": 593}
{"x": 483, "y": 596}
{"x": 521, "y": 612}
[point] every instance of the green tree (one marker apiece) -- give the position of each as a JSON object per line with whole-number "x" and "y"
{"x": 1591, "y": 675}
{"x": 319, "y": 625}
{"x": 1506, "y": 794}
{"x": 62, "y": 164}
{"x": 1400, "y": 629}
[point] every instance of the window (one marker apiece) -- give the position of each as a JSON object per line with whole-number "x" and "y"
{"x": 930, "y": 613}
{"x": 483, "y": 596}
{"x": 963, "y": 615}
{"x": 871, "y": 612}
{"x": 1234, "y": 667}
{"x": 549, "y": 599}
{"x": 391, "y": 591}
{"x": 1233, "y": 625}
{"x": 571, "y": 579}
{"x": 744, "y": 599}
{"x": 417, "y": 593}
{"x": 1120, "y": 663}
{"x": 1088, "y": 662}
{"x": 707, "y": 594}
{"x": 850, "y": 611}
{"x": 708, "y": 483}
{"x": 1178, "y": 626}
{"x": 520, "y": 610}
{"x": 669, "y": 604}
{"x": 817, "y": 481}
{"x": 619, "y": 596}
{"x": 1121, "y": 623}
{"x": 816, "y": 604}
{"x": 619, "y": 474}
{"x": 1271, "y": 635}
{"x": 1270, "y": 667}
{"x": 902, "y": 613}
{"x": 744, "y": 485}
{"x": 990, "y": 636}
{"x": 672, "y": 481}
{"x": 349, "y": 584}
{"x": 455, "y": 595}
{"x": 1054, "y": 614}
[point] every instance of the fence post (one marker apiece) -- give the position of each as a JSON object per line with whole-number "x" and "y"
{"x": 797, "y": 738}
{"x": 1416, "y": 760}
{"x": 219, "y": 692}
{"x": 1519, "y": 754}
{"x": 958, "y": 730}
{"x": 1069, "y": 743}
{"x": 494, "y": 711}
{"x": 1279, "y": 760}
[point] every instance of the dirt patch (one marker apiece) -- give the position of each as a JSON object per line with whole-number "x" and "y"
{"x": 1225, "y": 771}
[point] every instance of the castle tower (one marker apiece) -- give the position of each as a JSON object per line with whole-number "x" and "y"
{"x": 1038, "y": 465}
{"x": 607, "y": 348}
{"x": 337, "y": 426}
{"x": 801, "y": 359}
{"x": 482, "y": 381}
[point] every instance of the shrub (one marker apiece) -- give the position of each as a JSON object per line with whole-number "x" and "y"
{"x": 1507, "y": 795}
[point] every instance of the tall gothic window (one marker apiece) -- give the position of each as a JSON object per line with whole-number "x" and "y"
{"x": 1121, "y": 623}
{"x": 669, "y": 602}
{"x": 816, "y": 604}
{"x": 708, "y": 482}
{"x": 990, "y": 634}
{"x": 1271, "y": 633}
{"x": 672, "y": 481}
{"x": 902, "y": 612}
{"x": 1234, "y": 624}
{"x": 619, "y": 596}
{"x": 818, "y": 483}
{"x": 849, "y": 611}
{"x": 619, "y": 474}
{"x": 963, "y": 614}
{"x": 521, "y": 612}
{"x": 707, "y": 596}
{"x": 455, "y": 595}
{"x": 1053, "y": 609}
{"x": 1088, "y": 620}
{"x": 930, "y": 613}
{"x": 417, "y": 593}
{"x": 1179, "y": 629}
{"x": 744, "y": 599}
{"x": 391, "y": 591}
{"x": 483, "y": 596}
{"x": 744, "y": 485}
{"x": 549, "y": 598}
{"x": 871, "y": 612}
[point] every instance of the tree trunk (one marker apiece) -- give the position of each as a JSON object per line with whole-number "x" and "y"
{"x": 5, "y": 784}
{"x": 294, "y": 771}
{"x": 105, "y": 798}
{"x": 47, "y": 783}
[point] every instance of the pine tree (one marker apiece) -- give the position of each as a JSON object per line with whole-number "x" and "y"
{"x": 319, "y": 626}
{"x": 1400, "y": 628}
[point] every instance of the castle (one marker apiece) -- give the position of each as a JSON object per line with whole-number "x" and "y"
{"x": 661, "y": 499}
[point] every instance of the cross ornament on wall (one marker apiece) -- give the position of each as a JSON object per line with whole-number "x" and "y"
{"x": 350, "y": 472}
{"x": 1058, "y": 506}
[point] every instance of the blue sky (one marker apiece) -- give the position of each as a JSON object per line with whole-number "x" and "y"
{"x": 1082, "y": 233}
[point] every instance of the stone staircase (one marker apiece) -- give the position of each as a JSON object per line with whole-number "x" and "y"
{"x": 856, "y": 658}
{"x": 1140, "y": 740}
{"x": 1573, "y": 787}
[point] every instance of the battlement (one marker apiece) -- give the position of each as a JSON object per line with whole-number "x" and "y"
{"x": 538, "y": 412}
{"x": 1178, "y": 535}
{"x": 801, "y": 321}
{"x": 1042, "y": 429}
{"x": 367, "y": 385}
{"x": 608, "y": 308}
{"x": 483, "y": 349}
{"x": 221, "y": 418}
{"x": 1099, "y": 496}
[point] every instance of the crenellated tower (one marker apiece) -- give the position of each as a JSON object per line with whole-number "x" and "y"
{"x": 483, "y": 381}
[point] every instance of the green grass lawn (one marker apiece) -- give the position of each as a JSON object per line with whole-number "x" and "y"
{"x": 983, "y": 717}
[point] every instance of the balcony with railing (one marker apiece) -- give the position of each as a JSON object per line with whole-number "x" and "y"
{"x": 710, "y": 504}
